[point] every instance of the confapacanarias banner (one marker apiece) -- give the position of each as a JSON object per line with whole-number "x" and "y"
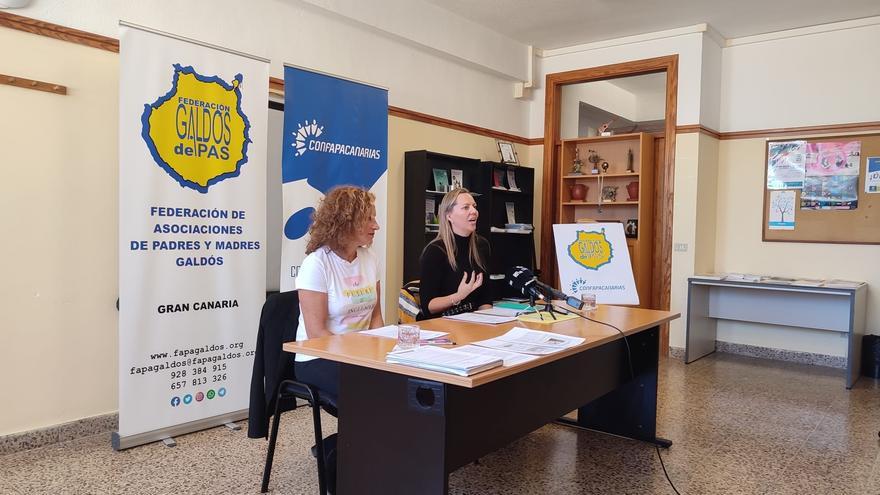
{"x": 593, "y": 259}
{"x": 192, "y": 232}
{"x": 335, "y": 133}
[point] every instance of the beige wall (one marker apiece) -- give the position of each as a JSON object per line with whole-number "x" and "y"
{"x": 58, "y": 208}
{"x": 408, "y": 135}
{"x": 739, "y": 248}
{"x": 58, "y": 204}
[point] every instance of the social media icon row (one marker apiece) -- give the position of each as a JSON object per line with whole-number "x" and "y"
{"x": 200, "y": 396}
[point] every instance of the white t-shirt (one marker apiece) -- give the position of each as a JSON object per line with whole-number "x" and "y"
{"x": 350, "y": 289}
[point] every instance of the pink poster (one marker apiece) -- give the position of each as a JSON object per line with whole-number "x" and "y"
{"x": 833, "y": 158}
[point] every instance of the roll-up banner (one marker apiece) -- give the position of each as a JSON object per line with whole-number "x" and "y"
{"x": 192, "y": 232}
{"x": 335, "y": 133}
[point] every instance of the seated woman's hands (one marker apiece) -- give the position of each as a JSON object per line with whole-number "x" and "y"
{"x": 465, "y": 287}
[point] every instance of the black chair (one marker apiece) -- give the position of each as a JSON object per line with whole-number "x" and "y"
{"x": 274, "y": 388}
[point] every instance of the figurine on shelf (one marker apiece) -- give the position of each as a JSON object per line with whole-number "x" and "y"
{"x": 576, "y": 164}
{"x": 629, "y": 161}
{"x": 594, "y": 159}
{"x": 609, "y": 193}
{"x": 604, "y": 128}
{"x": 605, "y": 167}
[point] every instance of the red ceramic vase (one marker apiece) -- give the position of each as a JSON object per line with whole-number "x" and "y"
{"x": 578, "y": 192}
{"x": 633, "y": 190}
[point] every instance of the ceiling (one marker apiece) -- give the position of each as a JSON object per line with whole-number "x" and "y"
{"x": 549, "y": 24}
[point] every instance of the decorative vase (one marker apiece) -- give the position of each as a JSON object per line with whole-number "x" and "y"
{"x": 578, "y": 192}
{"x": 633, "y": 190}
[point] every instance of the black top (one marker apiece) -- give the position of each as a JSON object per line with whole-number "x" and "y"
{"x": 438, "y": 280}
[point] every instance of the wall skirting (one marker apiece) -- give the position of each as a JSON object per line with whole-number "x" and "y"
{"x": 41, "y": 437}
{"x": 769, "y": 353}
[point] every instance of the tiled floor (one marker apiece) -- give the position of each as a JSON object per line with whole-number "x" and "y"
{"x": 739, "y": 425}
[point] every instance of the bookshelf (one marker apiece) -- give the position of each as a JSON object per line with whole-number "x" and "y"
{"x": 508, "y": 248}
{"x": 629, "y": 192}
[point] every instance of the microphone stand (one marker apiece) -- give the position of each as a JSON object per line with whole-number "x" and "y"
{"x": 547, "y": 306}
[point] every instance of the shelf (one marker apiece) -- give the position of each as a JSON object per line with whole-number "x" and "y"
{"x": 441, "y": 193}
{"x": 596, "y": 176}
{"x": 604, "y": 203}
{"x": 508, "y": 191}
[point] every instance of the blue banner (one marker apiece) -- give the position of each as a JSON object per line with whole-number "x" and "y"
{"x": 335, "y": 133}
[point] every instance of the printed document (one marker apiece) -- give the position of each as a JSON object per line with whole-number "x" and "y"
{"x": 510, "y": 358}
{"x": 525, "y": 341}
{"x": 481, "y": 318}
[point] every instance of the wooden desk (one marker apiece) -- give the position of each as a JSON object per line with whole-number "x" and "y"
{"x": 403, "y": 429}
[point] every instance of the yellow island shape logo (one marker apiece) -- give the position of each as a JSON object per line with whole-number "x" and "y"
{"x": 591, "y": 249}
{"x": 197, "y": 132}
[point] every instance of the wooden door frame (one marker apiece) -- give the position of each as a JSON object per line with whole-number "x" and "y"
{"x": 664, "y": 183}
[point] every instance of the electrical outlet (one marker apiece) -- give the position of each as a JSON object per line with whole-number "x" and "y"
{"x": 681, "y": 247}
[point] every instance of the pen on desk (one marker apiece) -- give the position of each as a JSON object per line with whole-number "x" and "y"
{"x": 437, "y": 341}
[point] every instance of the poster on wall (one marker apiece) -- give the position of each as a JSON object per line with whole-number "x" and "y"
{"x": 872, "y": 174}
{"x": 192, "y": 230}
{"x": 785, "y": 164}
{"x": 824, "y": 159}
{"x": 782, "y": 208}
{"x": 335, "y": 133}
{"x": 593, "y": 258}
{"x": 832, "y": 176}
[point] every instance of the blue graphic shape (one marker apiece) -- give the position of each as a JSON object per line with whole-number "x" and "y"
{"x": 187, "y": 398}
{"x": 298, "y": 224}
{"x": 145, "y": 130}
{"x": 343, "y": 113}
{"x": 222, "y": 392}
{"x": 175, "y": 401}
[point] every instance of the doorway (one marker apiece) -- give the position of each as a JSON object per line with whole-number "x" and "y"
{"x": 663, "y": 174}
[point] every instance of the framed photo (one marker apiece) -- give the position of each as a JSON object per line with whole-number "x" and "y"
{"x": 508, "y": 152}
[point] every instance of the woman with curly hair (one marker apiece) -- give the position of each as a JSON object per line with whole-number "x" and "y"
{"x": 338, "y": 281}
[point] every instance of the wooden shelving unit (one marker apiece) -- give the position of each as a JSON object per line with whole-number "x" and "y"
{"x": 614, "y": 150}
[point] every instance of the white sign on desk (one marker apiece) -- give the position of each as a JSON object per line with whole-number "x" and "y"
{"x": 593, "y": 258}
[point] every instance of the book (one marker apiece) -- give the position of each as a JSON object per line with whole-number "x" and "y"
{"x": 498, "y": 180}
{"x": 429, "y": 211}
{"x": 444, "y": 360}
{"x": 457, "y": 179}
{"x": 511, "y": 180}
{"x": 511, "y": 212}
{"x": 441, "y": 182}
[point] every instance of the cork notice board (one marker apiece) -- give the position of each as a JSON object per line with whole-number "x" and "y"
{"x": 843, "y": 226}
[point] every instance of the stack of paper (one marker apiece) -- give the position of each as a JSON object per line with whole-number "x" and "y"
{"x": 482, "y": 317}
{"x": 744, "y": 277}
{"x": 710, "y": 276}
{"x": 843, "y": 284}
{"x": 452, "y": 361}
{"x": 809, "y": 282}
{"x": 525, "y": 341}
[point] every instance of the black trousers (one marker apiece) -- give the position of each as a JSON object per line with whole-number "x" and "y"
{"x": 322, "y": 374}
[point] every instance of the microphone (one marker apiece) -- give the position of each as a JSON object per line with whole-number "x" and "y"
{"x": 523, "y": 280}
{"x": 572, "y": 301}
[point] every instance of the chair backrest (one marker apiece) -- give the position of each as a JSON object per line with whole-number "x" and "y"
{"x": 408, "y": 305}
{"x": 278, "y": 323}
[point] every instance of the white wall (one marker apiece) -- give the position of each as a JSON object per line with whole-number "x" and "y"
{"x": 688, "y": 47}
{"x": 821, "y": 78}
{"x": 448, "y": 81}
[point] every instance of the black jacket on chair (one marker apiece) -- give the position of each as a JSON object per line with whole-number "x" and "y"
{"x": 278, "y": 323}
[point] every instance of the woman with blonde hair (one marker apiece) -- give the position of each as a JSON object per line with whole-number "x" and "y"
{"x": 338, "y": 281}
{"x": 454, "y": 265}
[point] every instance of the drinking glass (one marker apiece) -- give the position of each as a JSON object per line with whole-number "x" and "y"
{"x": 589, "y": 300}
{"x": 407, "y": 336}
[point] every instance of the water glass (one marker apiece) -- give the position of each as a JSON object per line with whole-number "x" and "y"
{"x": 589, "y": 300}
{"x": 407, "y": 336}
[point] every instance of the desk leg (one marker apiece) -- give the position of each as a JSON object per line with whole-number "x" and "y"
{"x": 392, "y": 434}
{"x": 630, "y": 410}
